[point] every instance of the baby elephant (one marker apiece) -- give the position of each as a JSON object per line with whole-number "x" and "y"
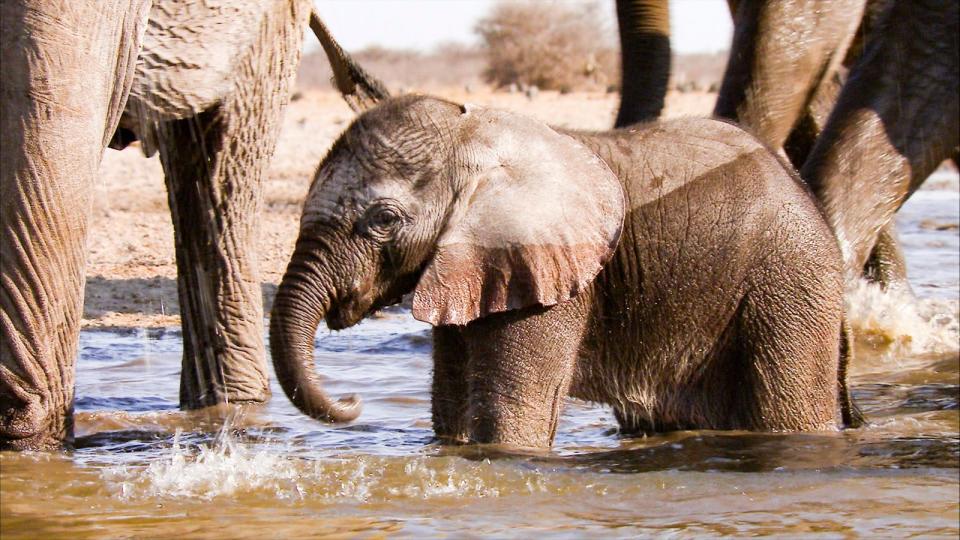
{"x": 676, "y": 271}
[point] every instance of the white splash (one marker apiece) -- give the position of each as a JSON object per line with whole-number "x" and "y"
{"x": 895, "y": 323}
{"x": 228, "y": 467}
{"x": 224, "y": 467}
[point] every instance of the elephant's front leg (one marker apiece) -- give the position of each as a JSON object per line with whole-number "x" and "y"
{"x": 67, "y": 68}
{"x": 214, "y": 162}
{"x": 215, "y": 210}
{"x": 520, "y": 367}
{"x": 449, "y": 392}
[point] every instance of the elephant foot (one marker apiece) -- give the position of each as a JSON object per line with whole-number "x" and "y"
{"x": 208, "y": 381}
{"x": 29, "y": 425}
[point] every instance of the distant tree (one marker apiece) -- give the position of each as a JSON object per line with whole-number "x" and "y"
{"x": 551, "y": 45}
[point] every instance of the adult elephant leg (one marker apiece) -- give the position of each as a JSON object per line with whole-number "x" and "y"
{"x": 645, "y": 59}
{"x": 895, "y": 121}
{"x": 805, "y": 131}
{"x": 67, "y": 68}
{"x": 214, "y": 215}
{"x": 781, "y": 52}
{"x": 214, "y": 163}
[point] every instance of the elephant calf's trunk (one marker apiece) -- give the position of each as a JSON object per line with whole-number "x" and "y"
{"x": 293, "y": 325}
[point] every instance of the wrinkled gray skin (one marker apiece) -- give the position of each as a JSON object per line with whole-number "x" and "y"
{"x": 203, "y": 83}
{"x": 676, "y": 271}
{"x": 786, "y": 69}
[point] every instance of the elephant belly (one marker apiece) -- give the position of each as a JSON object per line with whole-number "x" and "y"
{"x": 189, "y": 56}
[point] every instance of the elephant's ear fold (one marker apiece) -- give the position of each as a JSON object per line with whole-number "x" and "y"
{"x": 532, "y": 223}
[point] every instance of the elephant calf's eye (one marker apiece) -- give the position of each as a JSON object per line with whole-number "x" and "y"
{"x": 383, "y": 220}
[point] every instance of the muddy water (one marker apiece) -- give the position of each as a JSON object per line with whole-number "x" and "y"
{"x": 144, "y": 469}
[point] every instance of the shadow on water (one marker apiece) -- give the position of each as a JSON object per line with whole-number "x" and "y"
{"x": 129, "y": 404}
{"x": 743, "y": 453}
{"x": 750, "y": 452}
{"x": 879, "y": 399}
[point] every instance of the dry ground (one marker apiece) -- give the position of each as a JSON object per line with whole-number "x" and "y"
{"x": 131, "y": 273}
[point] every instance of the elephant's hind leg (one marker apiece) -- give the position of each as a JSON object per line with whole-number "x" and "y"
{"x": 214, "y": 217}
{"x": 788, "y": 346}
{"x": 886, "y": 264}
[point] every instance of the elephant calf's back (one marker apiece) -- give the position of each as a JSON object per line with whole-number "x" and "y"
{"x": 724, "y": 255}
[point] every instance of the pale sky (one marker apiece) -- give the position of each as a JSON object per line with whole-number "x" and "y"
{"x": 696, "y": 25}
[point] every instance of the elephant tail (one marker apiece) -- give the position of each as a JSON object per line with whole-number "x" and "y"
{"x": 360, "y": 90}
{"x": 850, "y": 413}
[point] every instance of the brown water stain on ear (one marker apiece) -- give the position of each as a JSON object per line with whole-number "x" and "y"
{"x": 465, "y": 281}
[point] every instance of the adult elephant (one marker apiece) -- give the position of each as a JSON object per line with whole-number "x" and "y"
{"x": 783, "y": 72}
{"x": 545, "y": 273}
{"x": 784, "y": 77}
{"x": 783, "y": 82}
{"x": 203, "y": 83}
{"x": 896, "y": 119}
{"x": 783, "y": 64}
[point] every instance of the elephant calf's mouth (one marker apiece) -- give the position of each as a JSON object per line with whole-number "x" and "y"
{"x": 342, "y": 317}
{"x": 351, "y": 312}
{"x": 354, "y": 307}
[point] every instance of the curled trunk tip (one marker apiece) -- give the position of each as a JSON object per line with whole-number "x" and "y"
{"x": 293, "y": 324}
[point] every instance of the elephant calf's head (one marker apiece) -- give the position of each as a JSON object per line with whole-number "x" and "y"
{"x": 477, "y": 211}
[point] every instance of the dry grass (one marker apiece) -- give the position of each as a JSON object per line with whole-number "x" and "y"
{"x": 447, "y": 66}
{"x": 562, "y": 46}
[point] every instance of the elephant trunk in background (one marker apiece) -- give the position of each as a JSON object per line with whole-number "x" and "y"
{"x": 645, "y": 59}
{"x": 302, "y": 301}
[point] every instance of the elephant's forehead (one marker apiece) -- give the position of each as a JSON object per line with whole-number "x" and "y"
{"x": 342, "y": 190}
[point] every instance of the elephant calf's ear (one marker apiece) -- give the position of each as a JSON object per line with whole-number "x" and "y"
{"x": 533, "y": 224}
